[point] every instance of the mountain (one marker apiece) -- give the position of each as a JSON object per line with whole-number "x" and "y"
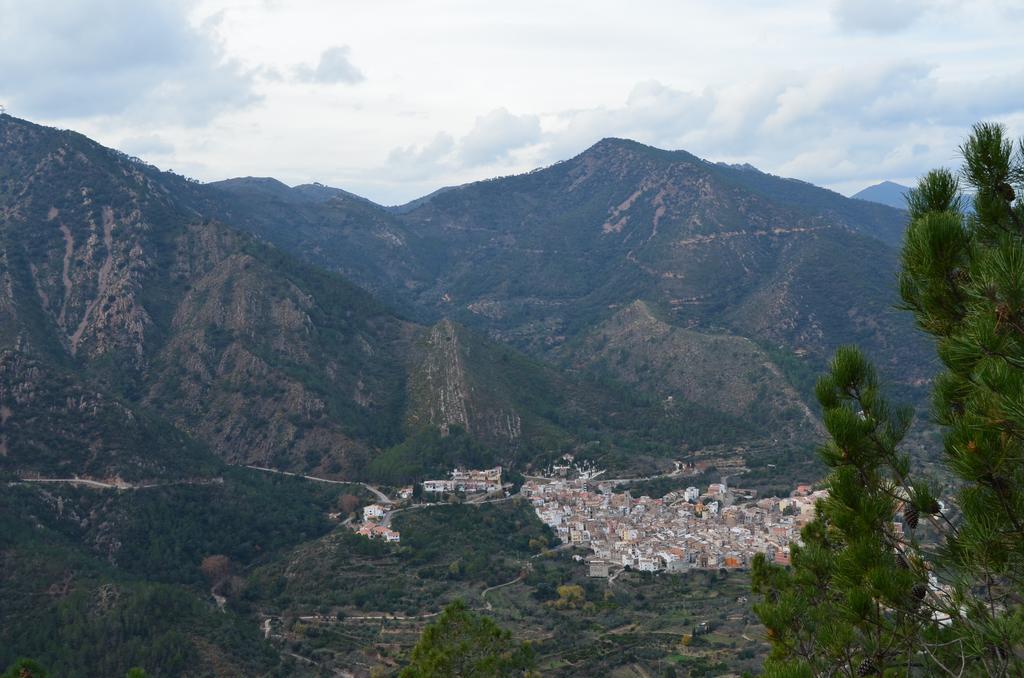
{"x": 159, "y": 338}
{"x": 154, "y": 338}
{"x": 728, "y": 373}
{"x": 328, "y": 227}
{"x": 886, "y": 193}
{"x": 630, "y": 306}
{"x": 142, "y": 301}
{"x": 541, "y": 259}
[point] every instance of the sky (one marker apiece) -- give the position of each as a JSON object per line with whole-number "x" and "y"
{"x": 392, "y": 99}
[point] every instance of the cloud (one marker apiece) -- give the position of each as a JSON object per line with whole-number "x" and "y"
{"x": 491, "y": 140}
{"x": 146, "y": 145}
{"x": 334, "y": 67}
{"x": 877, "y": 16}
{"x": 142, "y": 60}
{"x": 496, "y": 134}
{"x": 420, "y": 161}
{"x": 827, "y": 126}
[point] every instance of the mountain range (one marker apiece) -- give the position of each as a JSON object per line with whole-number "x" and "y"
{"x": 631, "y": 306}
{"x": 154, "y": 339}
{"x": 307, "y": 328}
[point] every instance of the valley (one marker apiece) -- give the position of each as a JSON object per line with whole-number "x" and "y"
{"x": 198, "y": 382}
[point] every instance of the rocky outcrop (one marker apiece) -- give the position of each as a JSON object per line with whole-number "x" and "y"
{"x": 260, "y": 359}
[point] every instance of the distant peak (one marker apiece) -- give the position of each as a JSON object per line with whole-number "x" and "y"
{"x": 885, "y": 193}
{"x": 616, "y": 145}
{"x": 251, "y": 181}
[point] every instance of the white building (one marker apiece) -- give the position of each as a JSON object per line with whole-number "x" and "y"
{"x": 438, "y": 486}
{"x": 692, "y": 494}
{"x": 374, "y": 512}
{"x": 487, "y": 480}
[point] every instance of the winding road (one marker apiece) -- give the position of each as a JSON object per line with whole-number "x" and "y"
{"x": 381, "y": 497}
{"x": 117, "y": 485}
{"x": 483, "y": 594}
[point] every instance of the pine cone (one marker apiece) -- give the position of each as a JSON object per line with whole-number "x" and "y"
{"x": 867, "y": 668}
{"x": 1006, "y": 191}
{"x": 901, "y": 562}
{"x": 919, "y": 591}
{"x": 910, "y": 516}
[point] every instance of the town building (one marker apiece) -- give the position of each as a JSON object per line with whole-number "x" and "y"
{"x": 469, "y": 481}
{"x": 669, "y": 533}
{"x": 372, "y": 531}
{"x": 374, "y": 512}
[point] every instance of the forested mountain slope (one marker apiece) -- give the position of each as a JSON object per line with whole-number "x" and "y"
{"x": 155, "y": 337}
{"x": 540, "y": 260}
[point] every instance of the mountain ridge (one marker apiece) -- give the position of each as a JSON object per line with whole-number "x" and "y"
{"x": 133, "y": 282}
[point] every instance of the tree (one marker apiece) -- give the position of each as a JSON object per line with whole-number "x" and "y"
{"x": 348, "y": 503}
{"x": 461, "y": 643}
{"x": 865, "y": 594}
{"x": 216, "y": 569}
{"x": 24, "y": 668}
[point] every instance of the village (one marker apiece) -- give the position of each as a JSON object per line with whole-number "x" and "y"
{"x": 722, "y": 527}
{"x": 686, "y": 529}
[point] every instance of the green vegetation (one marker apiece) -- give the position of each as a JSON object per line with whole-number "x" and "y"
{"x": 428, "y": 454}
{"x": 461, "y": 643}
{"x": 24, "y": 668}
{"x": 485, "y": 544}
{"x": 863, "y": 598}
{"x": 659, "y": 487}
{"x": 124, "y": 588}
{"x": 458, "y": 552}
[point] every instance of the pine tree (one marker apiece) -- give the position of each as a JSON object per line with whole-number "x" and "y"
{"x": 461, "y": 643}
{"x": 865, "y": 595}
{"x": 24, "y": 668}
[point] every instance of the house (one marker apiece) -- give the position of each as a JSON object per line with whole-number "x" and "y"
{"x": 405, "y": 492}
{"x": 598, "y": 569}
{"x": 374, "y": 512}
{"x": 438, "y": 486}
{"x": 647, "y": 565}
{"x": 371, "y": 531}
{"x": 678, "y": 565}
{"x": 486, "y": 480}
{"x": 691, "y": 495}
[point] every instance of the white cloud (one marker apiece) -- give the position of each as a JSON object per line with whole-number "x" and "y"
{"x": 419, "y": 162}
{"x": 826, "y": 126}
{"x": 75, "y": 60}
{"x": 496, "y": 134}
{"x": 490, "y": 142}
{"x": 334, "y": 67}
{"x": 146, "y": 146}
{"x": 878, "y": 16}
{"x": 830, "y": 92}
